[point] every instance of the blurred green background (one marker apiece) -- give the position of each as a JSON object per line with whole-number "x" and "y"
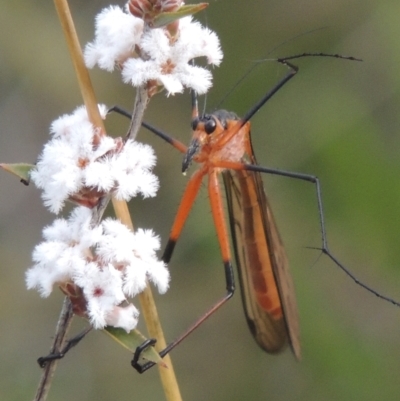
{"x": 336, "y": 119}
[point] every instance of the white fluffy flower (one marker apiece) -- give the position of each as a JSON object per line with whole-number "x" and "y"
{"x": 116, "y": 35}
{"x": 159, "y": 58}
{"x": 108, "y": 264}
{"x": 81, "y": 165}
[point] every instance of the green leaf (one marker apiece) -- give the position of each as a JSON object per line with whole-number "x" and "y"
{"x": 131, "y": 341}
{"x": 163, "y": 19}
{"x": 21, "y": 170}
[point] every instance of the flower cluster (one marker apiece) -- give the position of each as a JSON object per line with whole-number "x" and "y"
{"x": 106, "y": 263}
{"x": 100, "y": 265}
{"x": 97, "y": 265}
{"x": 81, "y": 165}
{"x": 153, "y": 56}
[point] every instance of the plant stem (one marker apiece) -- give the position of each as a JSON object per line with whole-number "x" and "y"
{"x": 141, "y": 102}
{"x": 149, "y": 311}
{"x": 63, "y": 325}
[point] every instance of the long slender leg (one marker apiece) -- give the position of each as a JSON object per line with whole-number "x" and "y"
{"x": 219, "y": 221}
{"x": 174, "y": 142}
{"x": 293, "y": 71}
{"x": 186, "y": 204}
{"x": 217, "y": 209}
{"x": 68, "y": 345}
{"x": 324, "y": 247}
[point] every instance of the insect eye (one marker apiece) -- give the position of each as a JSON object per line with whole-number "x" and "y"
{"x": 195, "y": 123}
{"x": 210, "y": 125}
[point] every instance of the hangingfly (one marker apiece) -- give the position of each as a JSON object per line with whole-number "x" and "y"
{"x": 267, "y": 288}
{"x": 221, "y": 144}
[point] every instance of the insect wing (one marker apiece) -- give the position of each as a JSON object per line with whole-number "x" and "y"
{"x": 272, "y": 331}
{"x": 281, "y": 272}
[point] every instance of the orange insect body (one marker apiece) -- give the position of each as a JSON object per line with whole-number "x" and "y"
{"x": 221, "y": 143}
{"x": 213, "y": 149}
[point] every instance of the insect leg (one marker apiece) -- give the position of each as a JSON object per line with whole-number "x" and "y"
{"x": 175, "y": 143}
{"x": 217, "y": 211}
{"x": 292, "y": 72}
{"x": 324, "y": 247}
{"x": 68, "y": 345}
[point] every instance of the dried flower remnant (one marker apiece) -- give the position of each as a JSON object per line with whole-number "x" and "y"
{"x": 99, "y": 268}
{"x": 148, "y": 9}
{"x": 82, "y": 165}
{"x": 160, "y": 55}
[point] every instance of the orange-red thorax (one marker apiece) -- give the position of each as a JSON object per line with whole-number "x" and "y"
{"x": 229, "y": 143}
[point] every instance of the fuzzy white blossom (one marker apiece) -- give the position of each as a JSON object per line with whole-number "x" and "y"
{"x": 116, "y": 34}
{"x": 151, "y": 55}
{"x": 81, "y": 165}
{"x": 108, "y": 263}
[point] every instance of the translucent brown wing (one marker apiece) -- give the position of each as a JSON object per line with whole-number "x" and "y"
{"x": 259, "y": 254}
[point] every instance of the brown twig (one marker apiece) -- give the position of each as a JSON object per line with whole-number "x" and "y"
{"x": 63, "y": 325}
